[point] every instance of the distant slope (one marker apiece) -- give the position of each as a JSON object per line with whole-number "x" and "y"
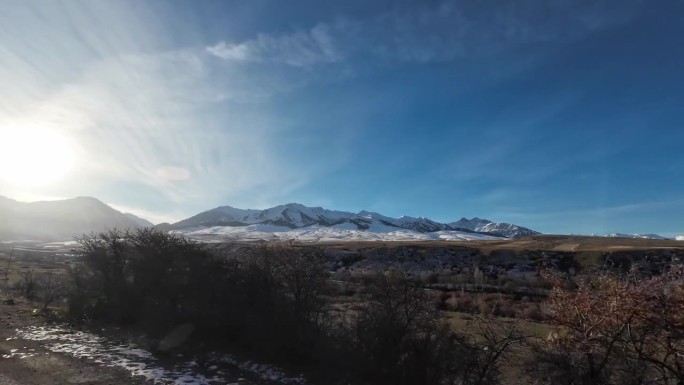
{"x": 60, "y": 220}
{"x": 6, "y": 202}
{"x": 294, "y": 216}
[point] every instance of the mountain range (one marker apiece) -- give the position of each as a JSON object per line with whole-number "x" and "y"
{"x": 297, "y": 216}
{"x": 65, "y": 219}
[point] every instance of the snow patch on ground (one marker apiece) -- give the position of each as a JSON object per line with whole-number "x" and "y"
{"x": 217, "y": 368}
{"x": 21, "y": 355}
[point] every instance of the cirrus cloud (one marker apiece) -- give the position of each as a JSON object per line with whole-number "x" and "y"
{"x": 173, "y": 174}
{"x": 447, "y": 31}
{"x": 298, "y": 49}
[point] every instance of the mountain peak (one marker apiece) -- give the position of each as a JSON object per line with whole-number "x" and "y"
{"x": 61, "y": 219}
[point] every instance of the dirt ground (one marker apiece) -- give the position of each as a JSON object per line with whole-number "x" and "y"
{"x": 24, "y": 362}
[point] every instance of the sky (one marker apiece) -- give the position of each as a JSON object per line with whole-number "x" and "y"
{"x": 561, "y": 116}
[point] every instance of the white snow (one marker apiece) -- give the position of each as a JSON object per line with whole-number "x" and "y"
{"x": 680, "y": 237}
{"x": 636, "y": 236}
{"x": 341, "y": 232}
{"x": 140, "y": 362}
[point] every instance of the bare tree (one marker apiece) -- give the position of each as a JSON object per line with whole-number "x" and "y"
{"x": 49, "y": 288}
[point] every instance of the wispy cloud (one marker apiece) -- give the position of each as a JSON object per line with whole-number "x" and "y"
{"x": 152, "y": 119}
{"x": 443, "y": 32}
{"x": 298, "y": 49}
{"x": 151, "y": 123}
{"x": 134, "y": 116}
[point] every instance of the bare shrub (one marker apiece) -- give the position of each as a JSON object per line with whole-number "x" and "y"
{"x": 615, "y": 330}
{"x": 401, "y": 339}
{"x": 26, "y": 286}
{"x": 532, "y": 311}
{"x": 267, "y": 299}
{"x": 49, "y": 288}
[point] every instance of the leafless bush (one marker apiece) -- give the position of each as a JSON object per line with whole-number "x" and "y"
{"x": 615, "y": 330}
{"x": 26, "y": 286}
{"x": 49, "y": 288}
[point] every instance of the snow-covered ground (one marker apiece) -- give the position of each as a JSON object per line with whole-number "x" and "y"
{"x": 342, "y": 232}
{"x": 213, "y": 369}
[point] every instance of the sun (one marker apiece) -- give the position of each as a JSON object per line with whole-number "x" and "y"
{"x": 33, "y": 157}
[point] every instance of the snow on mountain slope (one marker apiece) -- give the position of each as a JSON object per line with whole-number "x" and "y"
{"x": 636, "y": 236}
{"x": 680, "y": 237}
{"x": 296, "y": 221}
{"x": 292, "y": 215}
{"x": 317, "y": 233}
{"x": 486, "y": 226}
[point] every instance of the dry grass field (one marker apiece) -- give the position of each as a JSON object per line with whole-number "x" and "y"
{"x": 539, "y": 242}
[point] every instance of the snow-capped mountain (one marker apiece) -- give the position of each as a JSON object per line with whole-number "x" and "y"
{"x": 297, "y": 216}
{"x": 636, "y": 236}
{"x": 631, "y": 236}
{"x": 60, "y": 220}
{"x": 292, "y": 215}
{"x": 486, "y": 226}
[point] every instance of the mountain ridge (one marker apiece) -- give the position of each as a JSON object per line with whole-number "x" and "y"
{"x": 297, "y": 216}
{"x": 67, "y": 218}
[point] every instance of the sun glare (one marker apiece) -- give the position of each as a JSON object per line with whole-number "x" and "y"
{"x": 33, "y": 157}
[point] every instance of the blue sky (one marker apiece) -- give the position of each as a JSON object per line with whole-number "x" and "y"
{"x": 562, "y": 116}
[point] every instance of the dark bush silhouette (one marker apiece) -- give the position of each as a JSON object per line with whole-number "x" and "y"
{"x": 266, "y": 299}
{"x": 402, "y": 339}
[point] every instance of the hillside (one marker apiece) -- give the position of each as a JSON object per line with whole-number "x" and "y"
{"x": 61, "y": 219}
